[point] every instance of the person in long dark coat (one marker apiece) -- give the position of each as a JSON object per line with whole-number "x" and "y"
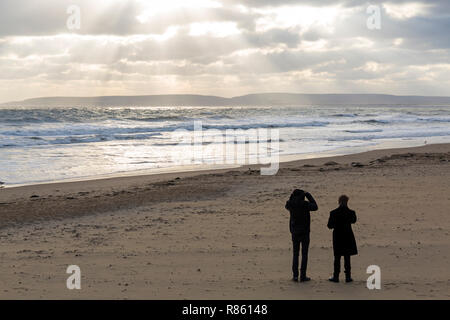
{"x": 299, "y": 225}
{"x": 344, "y": 243}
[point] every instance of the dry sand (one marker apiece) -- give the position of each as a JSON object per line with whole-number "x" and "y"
{"x": 224, "y": 234}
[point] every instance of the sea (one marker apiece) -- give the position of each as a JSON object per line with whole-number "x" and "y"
{"x": 48, "y": 144}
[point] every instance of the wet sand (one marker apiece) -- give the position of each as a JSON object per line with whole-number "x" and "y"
{"x": 224, "y": 234}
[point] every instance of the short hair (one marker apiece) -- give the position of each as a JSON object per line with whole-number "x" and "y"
{"x": 343, "y": 200}
{"x": 298, "y": 193}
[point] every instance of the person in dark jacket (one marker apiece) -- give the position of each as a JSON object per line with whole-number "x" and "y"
{"x": 344, "y": 243}
{"x": 299, "y": 225}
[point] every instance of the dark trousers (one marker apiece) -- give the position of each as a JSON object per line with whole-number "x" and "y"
{"x": 298, "y": 239}
{"x": 337, "y": 265}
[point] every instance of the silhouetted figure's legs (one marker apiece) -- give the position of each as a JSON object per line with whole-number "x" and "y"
{"x": 305, "y": 248}
{"x": 337, "y": 269}
{"x": 348, "y": 268}
{"x": 337, "y": 266}
{"x": 347, "y": 264}
{"x": 298, "y": 239}
{"x": 296, "y": 250}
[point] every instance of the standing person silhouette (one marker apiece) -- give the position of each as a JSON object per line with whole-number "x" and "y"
{"x": 299, "y": 225}
{"x": 344, "y": 243}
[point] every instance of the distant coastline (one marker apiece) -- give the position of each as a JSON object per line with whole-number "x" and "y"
{"x": 272, "y": 99}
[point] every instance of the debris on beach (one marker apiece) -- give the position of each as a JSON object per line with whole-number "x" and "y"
{"x": 357, "y": 164}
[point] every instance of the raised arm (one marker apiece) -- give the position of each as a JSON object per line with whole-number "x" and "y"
{"x": 288, "y": 205}
{"x": 312, "y": 203}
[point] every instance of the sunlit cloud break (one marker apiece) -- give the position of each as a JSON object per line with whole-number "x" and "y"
{"x": 223, "y": 48}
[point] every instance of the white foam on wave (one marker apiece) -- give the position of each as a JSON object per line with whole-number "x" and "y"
{"x": 54, "y": 144}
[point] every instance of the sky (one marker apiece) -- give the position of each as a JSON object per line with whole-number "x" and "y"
{"x": 222, "y": 47}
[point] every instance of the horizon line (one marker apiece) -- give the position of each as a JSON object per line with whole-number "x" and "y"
{"x": 224, "y": 97}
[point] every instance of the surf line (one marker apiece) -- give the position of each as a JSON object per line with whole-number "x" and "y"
{"x": 199, "y": 310}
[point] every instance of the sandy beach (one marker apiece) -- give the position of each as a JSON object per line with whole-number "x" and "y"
{"x": 224, "y": 234}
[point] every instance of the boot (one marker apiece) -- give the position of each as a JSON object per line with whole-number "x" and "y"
{"x": 304, "y": 278}
{"x": 348, "y": 277}
{"x": 334, "y": 278}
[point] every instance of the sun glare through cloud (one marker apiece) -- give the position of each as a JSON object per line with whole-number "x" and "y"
{"x": 151, "y": 8}
{"x": 407, "y": 10}
{"x": 304, "y": 17}
{"x": 199, "y": 44}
